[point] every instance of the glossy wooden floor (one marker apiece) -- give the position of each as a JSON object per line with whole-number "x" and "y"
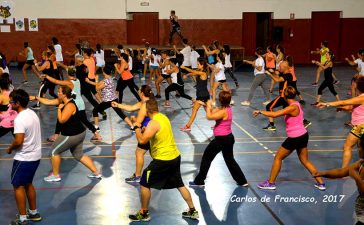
{"x": 79, "y": 200}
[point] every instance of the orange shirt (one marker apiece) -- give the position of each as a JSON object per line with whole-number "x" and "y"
{"x": 269, "y": 60}
{"x": 126, "y": 74}
{"x": 91, "y": 67}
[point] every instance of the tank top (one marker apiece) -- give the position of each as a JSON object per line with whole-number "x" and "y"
{"x": 162, "y": 144}
{"x": 73, "y": 125}
{"x": 30, "y": 54}
{"x": 294, "y": 124}
{"x": 323, "y": 58}
{"x": 292, "y": 71}
{"x": 269, "y": 60}
{"x": 7, "y": 114}
{"x": 223, "y": 127}
{"x": 108, "y": 92}
{"x": 91, "y": 66}
{"x": 175, "y": 24}
{"x": 211, "y": 59}
{"x": 357, "y": 115}
{"x": 126, "y": 74}
{"x": 201, "y": 88}
{"x": 328, "y": 73}
{"x": 227, "y": 61}
{"x": 49, "y": 71}
{"x": 77, "y": 91}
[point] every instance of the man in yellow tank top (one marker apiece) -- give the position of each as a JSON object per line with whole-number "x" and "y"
{"x": 164, "y": 170}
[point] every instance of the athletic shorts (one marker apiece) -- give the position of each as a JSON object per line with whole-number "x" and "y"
{"x": 358, "y": 130}
{"x": 153, "y": 67}
{"x": 166, "y": 76}
{"x": 203, "y": 99}
{"x": 163, "y": 174}
{"x": 145, "y": 147}
{"x": 30, "y": 62}
{"x": 23, "y": 172}
{"x": 296, "y": 143}
{"x": 221, "y": 81}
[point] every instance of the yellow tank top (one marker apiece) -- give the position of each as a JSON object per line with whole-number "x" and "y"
{"x": 323, "y": 57}
{"x": 162, "y": 145}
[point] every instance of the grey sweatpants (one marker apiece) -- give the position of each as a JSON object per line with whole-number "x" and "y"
{"x": 73, "y": 143}
{"x": 259, "y": 80}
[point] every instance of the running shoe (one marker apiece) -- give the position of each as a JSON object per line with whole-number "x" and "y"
{"x": 95, "y": 176}
{"x": 18, "y": 222}
{"x": 139, "y": 216}
{"x": 192, "y": 214}
{"x": 133, "y": 179}
{"x": 306, "y": 123}
{"x": 52, "y": 178}
{"x": 321, "y": 187}
{"x": 143, "y": 78}
{"x": 33, "y": 217}
{"x": 97, "y": 128}
{"x": 270, "y": 128}
{"x": 302, "y": 102}
{"x": 266, "y": 185}
{"x": 35, "y": 107}
{"x": 336, "y": 82}
{"x": 185, "y": 128}
{"x": 245, "y": 103}
{"x": 158, "y": 96}
{"x": 193, "y": 184}
{"x": 96, "y": 138}
{"x": 167, "y": 105}
{"x": 314, "y": 84}
{"x": 266, "y": 102}
{"x": 232, "y": 102}
{"x": 104, "y": 116}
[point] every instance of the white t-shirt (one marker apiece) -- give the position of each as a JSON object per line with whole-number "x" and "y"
{"x": 58, "y": 48}
{"x": 259, "y": 62}
{"x": 221, "y": 74}
{"x": 227, "y": 61}
{"x": 155, "y": 61}
{"x": 193, "y": 59}
{"x": 27, "y": 123}
{"x": 186, "y": 52}
{"x": 360, "y": 64}
{"x": 100, "y": 59}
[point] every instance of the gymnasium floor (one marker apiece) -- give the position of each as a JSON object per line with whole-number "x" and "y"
{"x": 79, "y": 200}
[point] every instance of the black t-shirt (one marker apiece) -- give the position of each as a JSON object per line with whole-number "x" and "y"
{"x": 288, "y": 81}
{"x": 81, "y": 74}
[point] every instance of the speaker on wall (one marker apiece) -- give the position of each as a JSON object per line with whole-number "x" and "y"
{"x": 277, "y": 34}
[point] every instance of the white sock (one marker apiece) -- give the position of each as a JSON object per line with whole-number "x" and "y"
{"x": 33, "y": 212}
{"x": 22, "y": 218}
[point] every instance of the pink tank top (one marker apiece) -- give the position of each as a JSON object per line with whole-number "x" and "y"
{"x": 223, "y": 127}
{"x": 294, "y": 124}
{"x": 357, "y": 115}
{"x": 7, "y": 118}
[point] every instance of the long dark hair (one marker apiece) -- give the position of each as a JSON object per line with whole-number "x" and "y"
{"x": 227, "y": 49}
{"x": 147, "y": 91}
{"x": 98, "y": 48}
{"x": 203, "y": 62}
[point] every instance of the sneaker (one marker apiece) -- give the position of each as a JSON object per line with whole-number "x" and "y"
{"x": 95, "y": 176}
{"x": 193, "y": 184}
{"x": 270, "y": 127}
{"x": 24, "y": 82}
{"x": 314, "y": 84}
{"x": 302, "y": 102}
{"x": 96, "y": 138}
{"x": 35, "y": 107}
{"x": 314, "y": 104}
{"x": 185, "y": 128}
{"x": 104, "y": 116}
{"x": 97, "y": 129}
{"x": 321, "y": 187}
{"x": 51, "y": 138}
{"x": 306, "y": 123}
{"x": 52, "y": 178}
{"x": 167, "y": 105}
{"x": 266, "y": 185}
{"x": 190, "y": 214}
{"x": 133, "y": 179}
{"x": 245, "y": 103}
{"x": 244, "y": 185}
{"x": 18, "y": 222}
{"x": 236, "y": 85}
{"x": 139, "y": 216}
{"x": 232, "y": 102}
{"x": 33, "y": 217}
{"x": 143, "y": 78}
{"x": 158, "y": 96}
{"x": 266, "y": 102}
{"x": 336, "y": 82}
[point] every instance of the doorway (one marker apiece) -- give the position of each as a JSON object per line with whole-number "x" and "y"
{"x": 142, "y": 27}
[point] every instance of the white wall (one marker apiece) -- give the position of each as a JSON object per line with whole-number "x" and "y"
{"x": 70, "y": 9}
{"x": 185, "y": 9}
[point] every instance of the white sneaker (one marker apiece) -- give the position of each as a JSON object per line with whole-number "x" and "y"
{"x": 143, "y": 78}
{"x": 94, "y": 176}
{"x": 245, "y": 103}
{"x": 266, "y": 102}
{"x": 232, "y": 102}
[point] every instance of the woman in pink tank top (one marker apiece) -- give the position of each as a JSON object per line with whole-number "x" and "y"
{"x": 7, "y": 115}
{"x": 297, "y": 139}
{"x": 356, "y": 106}
{"x": 223, "y": 142}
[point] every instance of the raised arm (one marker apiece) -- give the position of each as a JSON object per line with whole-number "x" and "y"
{"x": 289, "y": 110}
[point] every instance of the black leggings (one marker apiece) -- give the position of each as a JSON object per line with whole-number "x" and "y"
{"x": 225, "y": 144}
{"x": 229, "y": 71}
{"x": 47, "y": 85}
{"x": 176, "y": 87}
{"x": 105, "y": 105}
{"x": 279, "y": 101}
{"x": 83, "y": 117}
{"x": 327, "y": 83}
{"x": 122, "y": 84}
{"x": 88, "y": 95}
{"x": 4, "y": 130}
{"x": 173, "y": 31}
